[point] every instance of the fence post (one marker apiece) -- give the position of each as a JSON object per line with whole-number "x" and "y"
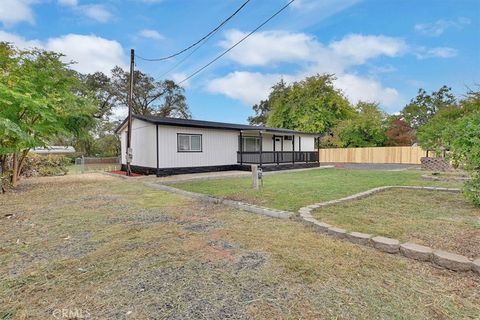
{"x": 82, "y": 165}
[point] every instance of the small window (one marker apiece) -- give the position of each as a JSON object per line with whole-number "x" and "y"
{"x": 251, "y": 144}
{"x": 189, "y": 142}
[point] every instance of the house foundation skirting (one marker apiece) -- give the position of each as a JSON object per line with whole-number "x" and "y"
{"x": 185, "y": 170}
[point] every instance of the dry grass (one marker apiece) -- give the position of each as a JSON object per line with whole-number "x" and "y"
{"x": 441, "y": 220}
{"x": 118, "y": 250}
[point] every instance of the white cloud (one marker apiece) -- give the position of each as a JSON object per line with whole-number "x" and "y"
{"x": 358, "y": 88}
{"x": 18, "y": 41}
{"x": 306, "y": 56}
{"x": 438, "y": 27}
{"x": 310, "y": 57}
{"x": 359, "y": 48}
{"x": 248, "y": 87}
{"x": 151, "y": 34}
{"x": 269, "y": 46}
{"x": 91, "y": 53}
{"x": 15, "y": 11}
{"x": 68, "y": 3}
{"x": 438, "y": 52}
{"x": 96, "y": 12}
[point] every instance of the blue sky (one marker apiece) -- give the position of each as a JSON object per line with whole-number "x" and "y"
{"x": 379, "y": 50}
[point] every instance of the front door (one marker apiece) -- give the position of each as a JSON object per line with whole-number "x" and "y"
{"x": 278, "y": 146}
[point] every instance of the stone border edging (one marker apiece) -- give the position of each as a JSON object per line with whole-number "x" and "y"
{"x": 274, "y": 213}
{"x": 443, "y": 178}
{"x": 410, "y": 250}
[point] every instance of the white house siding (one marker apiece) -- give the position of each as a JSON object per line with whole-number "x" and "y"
{"x": 219, "y": 147}
{"x": 143, "y": 144}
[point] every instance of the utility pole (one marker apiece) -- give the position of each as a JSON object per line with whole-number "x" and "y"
{"x": 130, "y": 101}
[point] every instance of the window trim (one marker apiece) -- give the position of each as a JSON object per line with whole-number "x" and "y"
{"x": 190, "y": 134}
{"x": 244, "y": 144}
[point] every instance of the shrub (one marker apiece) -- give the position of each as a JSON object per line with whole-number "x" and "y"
{"x": 50, "y": 165}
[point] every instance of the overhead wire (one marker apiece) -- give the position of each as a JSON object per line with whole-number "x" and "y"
{"x": 197, "y": 42}
{"x": 237, "y": 43}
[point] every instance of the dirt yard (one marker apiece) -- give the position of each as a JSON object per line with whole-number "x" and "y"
{"x": 108, "y": 248}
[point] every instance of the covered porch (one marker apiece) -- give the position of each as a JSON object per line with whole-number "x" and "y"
{"x": 267, "y": 148}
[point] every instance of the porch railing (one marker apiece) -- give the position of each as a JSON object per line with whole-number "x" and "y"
{"x": 276, "y": 157}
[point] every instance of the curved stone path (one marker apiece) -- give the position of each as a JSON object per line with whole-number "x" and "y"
{"x": 410, "y": 250}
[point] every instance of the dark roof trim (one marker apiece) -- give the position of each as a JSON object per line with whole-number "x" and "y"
{"x": 209, "y": 124}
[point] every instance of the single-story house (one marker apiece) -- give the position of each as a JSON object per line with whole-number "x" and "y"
{"x": 166, "y": 146}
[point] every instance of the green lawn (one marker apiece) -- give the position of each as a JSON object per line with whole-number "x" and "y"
{"x": 116, "y": 249}
{"x": 441, "y": 220}
{"x": 291, "y": 191}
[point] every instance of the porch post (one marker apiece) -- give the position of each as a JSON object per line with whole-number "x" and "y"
{"x": 293, "y": 149}
{"x": 318, "y": 151}
{"x": 261, "y": 148}
{"x": 241, "y": 147}
{"x": 158, "y": 160}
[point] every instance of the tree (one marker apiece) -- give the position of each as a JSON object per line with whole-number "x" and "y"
{"x": 150, "y": 97}
{"x": 365, "y": 129}
{"x": 466, "y": 150}
{"x": 101, "y": 85}
{"x": 39, "y": 100}
{"x": 261, "y": 110}
{"x": 399, "y": 132}
{"x": 425, "y": 106}
{"x": 310, "y": 105}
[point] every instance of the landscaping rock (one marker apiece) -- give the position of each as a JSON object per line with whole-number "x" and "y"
{"x": 451, "y": 261}
{"x": 321, "y": 227}
{"x": 416, "y": 251}
{"x": 476, "y": 265}
{"x": 359, "y": 238}
{"x": 337, "y": 232}
{"x": 386, "y": 244}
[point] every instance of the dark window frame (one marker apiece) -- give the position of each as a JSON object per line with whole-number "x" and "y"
{"x": 190, "y": 134}
{"x": 244, "y": 144}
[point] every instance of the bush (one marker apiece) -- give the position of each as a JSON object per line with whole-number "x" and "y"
{"x": 471, "y": 189}
{"x": 50, "y": 165}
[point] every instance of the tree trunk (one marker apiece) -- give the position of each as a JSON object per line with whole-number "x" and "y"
{"x": 21, "y": 161}
{"x": 14, "y": 179}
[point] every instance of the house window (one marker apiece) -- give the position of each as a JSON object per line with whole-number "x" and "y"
{"x": 189, "y": 142}
{"x": 251, "y": 144}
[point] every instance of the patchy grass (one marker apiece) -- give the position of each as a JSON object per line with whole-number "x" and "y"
{"x": 441, "y": 220}
{"x": 291, "y": 191}
{"x": 117, "y": 249}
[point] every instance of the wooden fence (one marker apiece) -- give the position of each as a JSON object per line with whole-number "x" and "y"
{"x": 405, "y": 155}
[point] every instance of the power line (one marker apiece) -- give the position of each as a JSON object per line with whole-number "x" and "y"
{"x": 236, "y": 44}
{"x": 186, "y": 57}
{"x": 203, "y": 38}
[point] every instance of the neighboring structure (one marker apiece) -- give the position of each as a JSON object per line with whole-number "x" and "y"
{"x": 166, "y": 146}
{"x": 57, "y": 150}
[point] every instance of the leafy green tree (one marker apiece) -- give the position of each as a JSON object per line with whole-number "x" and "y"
{"x": 150, "y": 96}
{"x": 261, "y": 110}
{"x": 365, "y": 129}
{"x": 310, "y": 105}
{"x": 440, "y": 131}
{"x": 466, "y": 150}
{"x": 425, "y": 106}
{"x": 39, "y": 100}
